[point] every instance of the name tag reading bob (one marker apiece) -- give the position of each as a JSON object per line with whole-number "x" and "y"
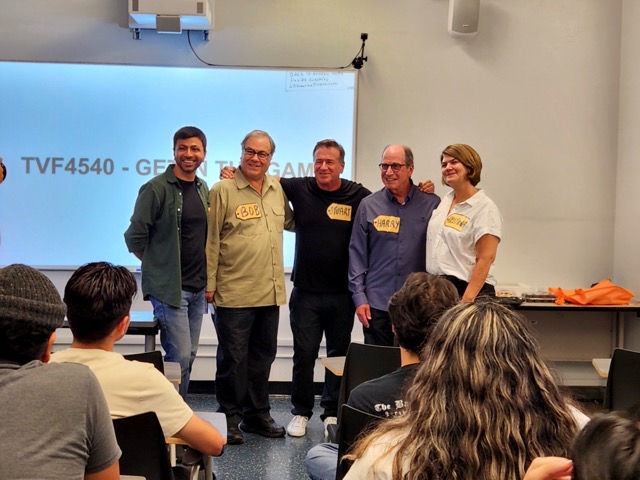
{"x": 248, "y": 211}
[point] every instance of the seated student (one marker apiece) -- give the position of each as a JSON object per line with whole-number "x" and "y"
{"x": 413, "y": 311}
{"x": 98, "y": 297}
{"x": 54, "y": 421}
{"x": 482, "y": 406}
{"x": 608, "y": 448}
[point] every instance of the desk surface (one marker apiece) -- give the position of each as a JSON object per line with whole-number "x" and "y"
{"x": 602, "y": 366}
{"x": 549, "y": 306}
{"x": 142, "y": 323}
{"x": 217, "y": 419}
{"x": 334, "y": 364}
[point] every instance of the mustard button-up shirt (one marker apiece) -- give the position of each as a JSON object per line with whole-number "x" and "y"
{"x": 245, "y": 266}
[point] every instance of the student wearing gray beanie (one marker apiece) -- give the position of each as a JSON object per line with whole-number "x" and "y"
{"x": 54, "y": 420}
{"x": 30, "y": 312}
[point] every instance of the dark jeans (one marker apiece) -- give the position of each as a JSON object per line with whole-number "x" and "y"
{"x": 379, "y": 331}
{"x": 247, "y": 344}
{"x": 311, "y": 314}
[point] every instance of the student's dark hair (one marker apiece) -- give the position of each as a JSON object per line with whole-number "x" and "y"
{"x": 98, "y": 295}
{"x": 190, "y": 132}
{"x": 22, "y": 345}
{"x": 330, "y": 143}
{"x": 608, "y": 448}
{"x": 416, "y": 307}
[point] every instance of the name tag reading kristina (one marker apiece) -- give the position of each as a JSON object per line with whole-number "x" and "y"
{"x": 248, "y": 211}
{"x": 456, "y": 221}
{"x": 336, "y": 211}
{"x": 387, "y": 223}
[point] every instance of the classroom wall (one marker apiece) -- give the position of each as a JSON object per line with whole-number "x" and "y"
{"x": 546, "y": 92}
{"x": 627, "y": 219}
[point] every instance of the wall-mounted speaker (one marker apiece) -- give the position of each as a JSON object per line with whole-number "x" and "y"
{"x": 463, "y": 17}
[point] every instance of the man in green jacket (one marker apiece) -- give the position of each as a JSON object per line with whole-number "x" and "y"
{"x": 168, "y": 233}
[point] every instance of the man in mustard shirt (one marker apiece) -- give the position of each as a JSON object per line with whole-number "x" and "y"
{"x": 245, "y": 279}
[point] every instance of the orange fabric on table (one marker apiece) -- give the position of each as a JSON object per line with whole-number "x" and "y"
{"x": 602, "y": 293}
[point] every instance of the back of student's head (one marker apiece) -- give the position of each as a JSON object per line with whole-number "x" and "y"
{"x": 416, "y": 307}
{"x": 608, "y": 448}
{"x": 483, "y": 404}
{"x": 98, "y": 295}
{"x": 30, "y": 311}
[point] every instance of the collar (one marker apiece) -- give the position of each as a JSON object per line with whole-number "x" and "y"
{"x": 242, "y": 182}
{"x": 407, "y": 198}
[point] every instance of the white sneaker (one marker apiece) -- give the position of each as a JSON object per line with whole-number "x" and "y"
{"x": 329, "y": 421}
{"x": 298, "y": 426}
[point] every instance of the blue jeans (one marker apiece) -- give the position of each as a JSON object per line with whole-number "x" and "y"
{"x": 311, "y": 315}
{"x": 180, "y": 331}
{"x": 322, "y": 461}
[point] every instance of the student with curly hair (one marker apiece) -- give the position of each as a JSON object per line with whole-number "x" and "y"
{"x": 482, "y": 405}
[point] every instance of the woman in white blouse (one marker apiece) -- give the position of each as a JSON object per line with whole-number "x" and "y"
{"x": 465, "y": 230}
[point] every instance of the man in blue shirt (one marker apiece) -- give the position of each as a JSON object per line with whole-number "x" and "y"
{"x": 388, "y": 242}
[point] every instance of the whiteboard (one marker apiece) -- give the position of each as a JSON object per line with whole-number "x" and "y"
{"x": 79, "y": 140}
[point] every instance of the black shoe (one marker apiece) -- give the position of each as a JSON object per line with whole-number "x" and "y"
{"x": 265, "y": 426}
{"x": 234, "y": 435}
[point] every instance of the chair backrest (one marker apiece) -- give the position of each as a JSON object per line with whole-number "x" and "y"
{"x": 365, "y": 362}
{"x": 154, "y": 357}
{"x": 353, "y": 423}
{"x": 144, "y": 450}
{"x": 623, "y": 382}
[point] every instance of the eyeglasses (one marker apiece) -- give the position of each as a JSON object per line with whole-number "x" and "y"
{"x": 394, "y": 166}
{"x": 249, "y": 153}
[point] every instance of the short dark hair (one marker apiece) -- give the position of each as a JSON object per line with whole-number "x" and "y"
{"x": 608, "y": 447}
{"x": 23, "y": 345}
{"x": 98, "y": 295}
{"x": 190, "y": 132}
{"x": 417, "y": 306}
{"x": 330, "y": 143}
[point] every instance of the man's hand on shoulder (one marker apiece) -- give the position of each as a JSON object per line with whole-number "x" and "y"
{"x": 227, "y": 173}
{"x": 427, "y": 186}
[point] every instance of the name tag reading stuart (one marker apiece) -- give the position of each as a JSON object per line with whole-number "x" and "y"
{"x": 248, "y": 211}
{"x": 336, "y": 211}
{"x": 387, "y": 223}
{"x": 456, "y": 221}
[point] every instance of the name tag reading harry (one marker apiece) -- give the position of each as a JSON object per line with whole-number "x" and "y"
{"x": 387, "y": 223}
{"x": 456, "y": 221}
{"x": 248, "y": 211}
{"x": 336, "y": 211}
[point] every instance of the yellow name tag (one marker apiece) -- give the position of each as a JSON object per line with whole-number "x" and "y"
{"x": 456, "y": 221}
{"x": 386, "y": 223}
{"x": 335, "y": 211}
{"x": 248, "y": 211}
